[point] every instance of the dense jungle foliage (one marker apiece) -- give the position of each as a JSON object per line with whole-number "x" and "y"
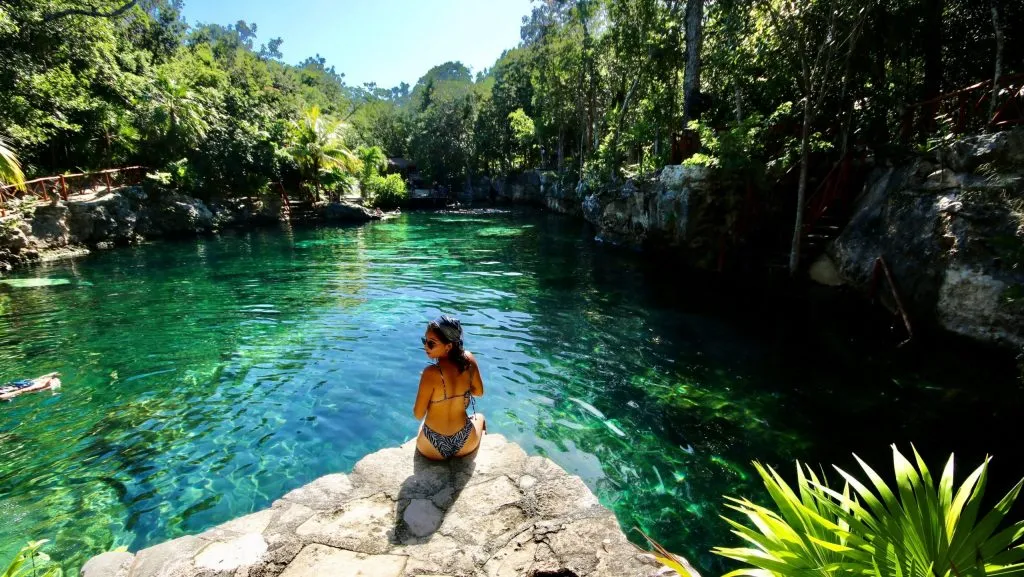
{"x": 598, "y": 88}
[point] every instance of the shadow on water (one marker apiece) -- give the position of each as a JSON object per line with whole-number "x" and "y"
{"x": 428, "y": 494}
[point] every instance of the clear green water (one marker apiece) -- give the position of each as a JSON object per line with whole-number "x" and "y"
{"x": 206, "y": 378}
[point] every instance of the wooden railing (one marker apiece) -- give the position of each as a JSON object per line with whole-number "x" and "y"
{"x": 64, "y": 186}
{"x": 968, "y": 109}
{"x": 834, "y": 189}
{"x": 286, "y": 205}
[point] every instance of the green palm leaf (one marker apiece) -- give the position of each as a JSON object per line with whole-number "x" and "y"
{"x": 317, "y": 145}
{"x": 925, "y": 532}
{"x": 10, "y": 168}
{"x": 915, "y": 528}
{"x": 30, "y": 561}
{"x": 178, "y": 111}
{"x": 805, "y": 537}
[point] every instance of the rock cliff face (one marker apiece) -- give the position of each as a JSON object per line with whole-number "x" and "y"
{"x": 498, "y": 513}
{"x": 34, "y": 230}
{"x": 950, "y": 225}
{"x": 951, "y": 228}
{"x": 545, "y": 189}
{"x": 656, "y": 213}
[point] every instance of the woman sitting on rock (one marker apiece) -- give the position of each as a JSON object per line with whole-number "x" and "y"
{"x": 43, "y": 383}
{"x": 446, "y": 390}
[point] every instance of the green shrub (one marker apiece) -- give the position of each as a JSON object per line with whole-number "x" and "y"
{"x": 386, "y": 192}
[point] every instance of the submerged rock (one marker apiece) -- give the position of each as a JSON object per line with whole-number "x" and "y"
{"x": 496, "y": 513}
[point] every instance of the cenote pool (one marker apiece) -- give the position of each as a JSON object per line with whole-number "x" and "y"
{"x": 206, "y": 378}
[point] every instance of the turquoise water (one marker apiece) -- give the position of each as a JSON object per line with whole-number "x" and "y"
{"x": 206, "y": 378}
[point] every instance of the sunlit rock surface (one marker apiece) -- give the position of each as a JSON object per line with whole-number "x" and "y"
{"x": 496, "y": 513}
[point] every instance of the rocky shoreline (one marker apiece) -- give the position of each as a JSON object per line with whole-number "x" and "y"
{"x": 949, "y": 223}
{"x": 39, "y": 231}
{"x": 497, "y": 513}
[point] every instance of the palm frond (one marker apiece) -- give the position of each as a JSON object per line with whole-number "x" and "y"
{"x": 29, "y": 561}
{"x": 674, "y": 562}
{"x": 915, "y": 528}
{"x": 10, "y": 168}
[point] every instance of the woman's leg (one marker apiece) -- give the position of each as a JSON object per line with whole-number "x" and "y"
{"x": 425, "y": 448}
{"x": 475, "y": 436}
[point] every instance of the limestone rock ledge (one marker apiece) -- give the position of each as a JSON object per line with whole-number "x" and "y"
{"x": 499, "y": 513}
{"x": 951, "y": 229}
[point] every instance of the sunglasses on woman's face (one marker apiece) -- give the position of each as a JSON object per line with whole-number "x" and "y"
{"x": 429, "y": 343}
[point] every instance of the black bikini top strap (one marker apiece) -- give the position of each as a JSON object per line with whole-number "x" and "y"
{"x": 467, "y": 396}
{"x": 444, "y": 385}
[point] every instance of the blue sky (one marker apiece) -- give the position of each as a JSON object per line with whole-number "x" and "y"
{"x": 382, "y": 41}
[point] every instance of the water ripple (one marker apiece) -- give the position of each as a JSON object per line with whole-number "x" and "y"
{"x": 205, "y": 379}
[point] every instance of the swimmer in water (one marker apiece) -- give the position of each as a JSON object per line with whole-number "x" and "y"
{"x": 43, "y": 383}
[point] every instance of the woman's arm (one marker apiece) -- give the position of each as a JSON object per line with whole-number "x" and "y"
{"x": 476, "y": 382}
{"x": 427, "y": 382}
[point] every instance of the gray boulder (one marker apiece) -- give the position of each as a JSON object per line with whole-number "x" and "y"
{"x": 174, "y": 215}
{"x": 1000, "y": 151}
{"x": 12, "y": 237}
{"x": 349, "y": 212}
{"x": 657, "y": 211}
{"x": 49, "y": 224}
{"x": 109, "y": 218}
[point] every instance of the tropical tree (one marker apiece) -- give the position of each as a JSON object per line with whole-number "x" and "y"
{"x": 10, "y": 168}
{"x": 177, "y": 113}
{"x": 524, "y": 132}
{"x": 317, "y": 145}
{"x": 374, "y": 161}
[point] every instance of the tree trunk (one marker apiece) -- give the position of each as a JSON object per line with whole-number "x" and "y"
{"x": 561, "y": 146}
{"x": 801, "y": 194}
{"x": 999, "y": 60}
{"x": 316, "y": 182}
{"x": 879, "y": 130}
{"x": 738, "y": 98}
{"x": 588, "y": 71}
{"x": 583, "y": 137}
{"x": 932, "y": 49}
{"x": 694, "y": 40}
{"x": 622, "y": 118}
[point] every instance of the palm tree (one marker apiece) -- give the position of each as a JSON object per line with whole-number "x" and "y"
{"x": 317, "y": 145}
{"x": 10, "y": 168}
{"x": 374, "y": 160}
{"x": 178, "y": 113}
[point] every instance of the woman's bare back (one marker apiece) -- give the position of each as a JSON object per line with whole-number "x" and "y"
{"x": 451, "y": 395}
